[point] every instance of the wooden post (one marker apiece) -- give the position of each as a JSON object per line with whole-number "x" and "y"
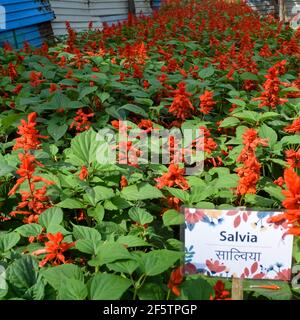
{"x": 237, "y": 289}
{"x": 281, "y": 10}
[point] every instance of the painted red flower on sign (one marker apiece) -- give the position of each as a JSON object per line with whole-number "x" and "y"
{"x": 215, "y": 266}
{"x": 194, "y": 215}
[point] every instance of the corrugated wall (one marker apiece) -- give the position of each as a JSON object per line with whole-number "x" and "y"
{"x": 25, "y": 21}
{"x": 81, "y": 12}
{"x": 292, "y": 7}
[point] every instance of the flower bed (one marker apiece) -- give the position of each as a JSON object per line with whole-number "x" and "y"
{"x": 75, "y": 228}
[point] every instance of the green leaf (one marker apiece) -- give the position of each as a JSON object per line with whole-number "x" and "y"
{"x": 70, "y": 204}
{"x": 72, "y": 289}
{"x": 259, "y": 201}
{"x": 107, "y": 287}
{"x": 8, "y": 241}
{"x": 56, "y": 131}
{"x": 238, "y": 102}
{"x": 126, "y": 266}
{"x": 290, "y": 140}
{"x": 99, "y": 193}
{"x": 151, "y": 291}
{"x": 139, "y": 215}
{"x": 82, "y": 232}
{"x": 5, "y": 169}
{"x": 86, "y": 91}
{"x": 141, "y": 191}
{"x": 249, "y": 116}
{"x": 52, "y": 216}
{"x": 83, "y": 148}
{"x": 88, "y": 239}
{"x": 22, "y": 273}
{"x": 206, "y": 72}
{"x": 229, "y": 122}
{"x": 103, "y": 96}
{"x": 268, "y": 116}
{"x": 135, "y": 109}
{"x": 158, "y": 261}
{"x": 201, "y": 193}
{"x": 56, "y": 275}
{"x": 274, "y": 191}
{"x": 27, "y": 230}
{"x": 249, "y": 76}
{"x": 178, "y": 193}
{"x": 97, "y": 213}
{"x": 196, "y": 289}
{"x": 131, "y": 241}
{"x": 109, "y": 252}
{"x": 268, "y": 133}
{"x": 173, "y": 217}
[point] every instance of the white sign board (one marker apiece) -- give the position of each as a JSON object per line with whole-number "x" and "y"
{"x": 224, "y": 243}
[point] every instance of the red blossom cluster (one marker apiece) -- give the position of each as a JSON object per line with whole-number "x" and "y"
{"x": 33, "y": 197}
{"x": 206, "y": 102}
{"x": 294, "y": 127}
{"x": 249, "y": 172}
{"x": 174, "y": 177}
{"x": 291, "y": 202}
{"x": 220, "y": 292}
{"x": 54, "y": 250}
{"x": 270, "y": 96}
{"x": 181, "y": 107}
{"x": 81, "y": 121}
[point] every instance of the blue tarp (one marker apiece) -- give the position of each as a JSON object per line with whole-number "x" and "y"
{"x": 22, "y": 19}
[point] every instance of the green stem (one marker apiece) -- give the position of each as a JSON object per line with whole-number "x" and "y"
{"x": 138, "y": 285}
{"x": 168, "y": 295}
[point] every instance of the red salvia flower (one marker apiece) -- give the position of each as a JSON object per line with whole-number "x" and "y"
{"x": 35, "y": 78}
{"x": 123, "y": 182}
{"x": 54, "y": 249}
{"x": 83, "y": 173}
{"x": 294, "y": 127}
{"x": 81, "y": 121}
{"x": 249, "y": 173}
{"x": 293, "y": 158}
{"x": 270, "y": 96}
{"x": 291, "y": 202}
{"x": 175, "y": 280}
{"x": 13, "y": 74}
{"x": 181, "y": 106}
{"x": 146, "y": 125}
{"x": 206, "y": 102}
{"x": 29, "y": 135}
{"x": 174, "y": 177}
{"x": 220, "y": 292}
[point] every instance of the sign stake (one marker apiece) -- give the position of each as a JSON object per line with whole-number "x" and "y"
{"x": 237, "y": 288}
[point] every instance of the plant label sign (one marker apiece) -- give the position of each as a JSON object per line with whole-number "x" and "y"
{"x": 238, "y": 243}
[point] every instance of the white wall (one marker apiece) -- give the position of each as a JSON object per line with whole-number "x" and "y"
{"x": 81, "y": 12}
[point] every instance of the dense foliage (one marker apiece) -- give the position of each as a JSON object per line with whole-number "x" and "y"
{"x": 73, "y": 228}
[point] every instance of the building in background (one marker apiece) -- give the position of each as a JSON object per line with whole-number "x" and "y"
{"x": 26, "y": 20}
{"x": 286, "y": 10}
{"x": 80, "y": 12}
